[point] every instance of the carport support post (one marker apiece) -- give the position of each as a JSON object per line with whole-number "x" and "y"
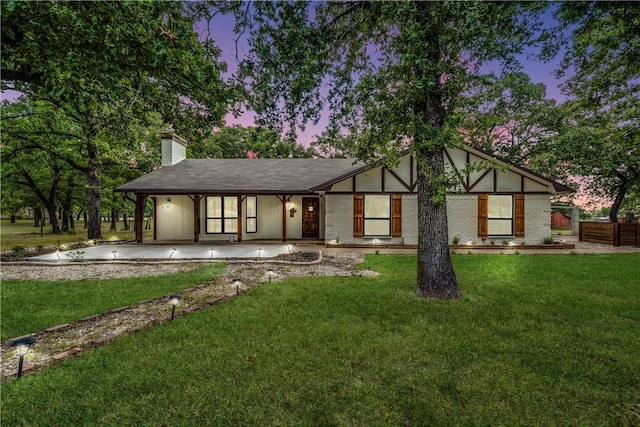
{"x": 196, "y": 219}
{"x": 139, "y": 216}
{"x": 284, "y": 218}
{"x": 239, "y": 218}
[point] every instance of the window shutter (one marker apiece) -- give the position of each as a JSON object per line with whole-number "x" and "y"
{"x": 483, "y": 213}
{"x": 358, "y": 215}
{"x": 396, "y": 215}
{"x": 519, "y": 215}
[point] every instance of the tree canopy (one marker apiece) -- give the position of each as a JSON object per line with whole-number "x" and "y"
{"x": 105, "y": 64}
{"x": 600, "y": 134}
{"x": 393, "y": 74}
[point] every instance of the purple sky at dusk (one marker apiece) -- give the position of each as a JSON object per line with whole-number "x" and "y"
{"x": 221, "y": 31}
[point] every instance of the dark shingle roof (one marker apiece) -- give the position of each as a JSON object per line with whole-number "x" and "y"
{"x": 240, "y": 176}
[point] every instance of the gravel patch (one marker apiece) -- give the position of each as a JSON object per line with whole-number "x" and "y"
{"x": 58, "y": 343}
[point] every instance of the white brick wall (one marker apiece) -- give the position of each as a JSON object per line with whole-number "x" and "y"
{"x": 537, "y": 219}
{"x": 462, "y": 213}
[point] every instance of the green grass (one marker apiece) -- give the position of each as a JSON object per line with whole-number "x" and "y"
{"x": 31, "y": 306}
{"x": 24, "y": 234}
{"x": 535, "y": 340}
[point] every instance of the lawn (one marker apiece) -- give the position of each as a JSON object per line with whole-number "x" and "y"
{"x": 31, "y": 306}
{"x": 535, "y": 340}
{"x": 24, "y": 234}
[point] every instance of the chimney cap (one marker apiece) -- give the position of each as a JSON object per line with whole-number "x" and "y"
{"x": 172, "y": 136}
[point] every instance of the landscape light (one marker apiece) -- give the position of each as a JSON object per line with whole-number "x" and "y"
{"x": 259, "y": 252}
{"x": 114, "y": 254}
{"x": 270, "y": 273}
{"x": 289, "y": 248}
{"x": 174, "y": 300}
{"x": 172, "y": 252}
{"x": 212, "y": 251}
{"x": 22, "y": 348}
{"x": 238, "y": 283}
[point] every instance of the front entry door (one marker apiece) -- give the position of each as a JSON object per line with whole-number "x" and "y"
{"x": 310, "y": 217}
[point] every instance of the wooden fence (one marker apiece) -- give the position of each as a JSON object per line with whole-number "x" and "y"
{"x": 608, "y": 233}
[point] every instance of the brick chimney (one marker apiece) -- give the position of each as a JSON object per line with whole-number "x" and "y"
{"x": 174, "y": 149}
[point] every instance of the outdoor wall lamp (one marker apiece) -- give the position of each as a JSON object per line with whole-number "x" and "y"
{"x": 310, "y": 208}
{"x": 168, "y": 201}
{"x": 174, "y": 300}
{"x": 22, "y": 348}
{"x": 237, "y": 283}
{"x": 270, "y": 273}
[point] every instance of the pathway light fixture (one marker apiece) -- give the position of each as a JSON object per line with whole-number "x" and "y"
{"x": 174, "y": 300}
{"x": 114, "y": 254}
{"x": 22, "y": 348}
{"x": 212, "y": 251}
{"x": 259, "y": 252}
{"x": 237, "y": 282}
{"x": 270, "y": 273}
{"x": 173, "y": 250}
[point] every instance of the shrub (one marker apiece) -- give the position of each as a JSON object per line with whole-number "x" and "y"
{"x": 547, "y": 240}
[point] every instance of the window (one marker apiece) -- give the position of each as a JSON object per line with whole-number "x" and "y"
{"x": 500, "y": 215}
{"x": 222, "y": 215}
{"x": 252, "y": 214}
{"x": 377, "y": 215}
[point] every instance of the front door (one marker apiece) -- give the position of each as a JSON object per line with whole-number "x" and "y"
{"x": 310, "y": 217}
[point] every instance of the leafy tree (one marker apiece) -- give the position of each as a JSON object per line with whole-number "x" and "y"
{"x": 104, "y": 63}
{"x": 600, "y": 138}
{"x": 240, "y": 142}
{"x": 392, "y": 75}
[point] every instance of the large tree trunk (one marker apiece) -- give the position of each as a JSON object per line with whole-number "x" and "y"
{"x": 53, "y": 219}
{"x": 67, "y": 215}
{"x": 436, "y": 278}
{"x": 114, "y": 219}
{"x": 93, "y": 193}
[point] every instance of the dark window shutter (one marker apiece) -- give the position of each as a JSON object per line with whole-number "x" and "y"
{"x": 396, "y": 215}
{"x": 519, "y": 215}
{"x": 483, "y": 212}
{"x": 358, "y": 215}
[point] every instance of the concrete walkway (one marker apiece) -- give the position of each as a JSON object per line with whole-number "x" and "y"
{"x": 131, "y": 251}
{"x": 203, "y": 251}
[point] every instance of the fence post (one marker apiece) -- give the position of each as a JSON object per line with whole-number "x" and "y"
{"x": 616, "y": 234}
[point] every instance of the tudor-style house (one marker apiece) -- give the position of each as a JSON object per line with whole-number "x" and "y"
{"x": 336, "y": 200}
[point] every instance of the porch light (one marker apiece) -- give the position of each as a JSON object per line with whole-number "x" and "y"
{"x": 173, "y": 250}
{"x": 237, "y": 282}
{"x": 114, "y": 254}
{"x": 270, "y": 273}
{"x": 168, "y": 202}
{"x": 22, "y": 348}
{"x": 174, "y": 300}
{"x": 310, "y": 208}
